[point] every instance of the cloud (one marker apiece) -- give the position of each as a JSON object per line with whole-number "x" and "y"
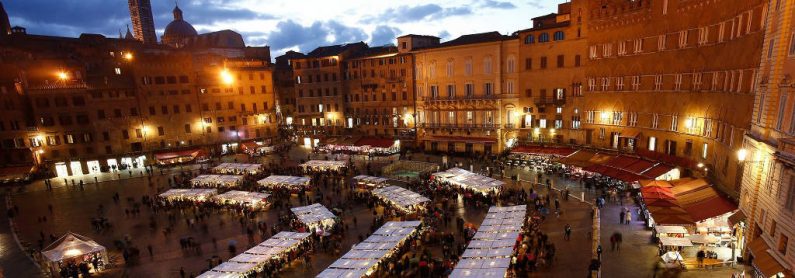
{"x": 71, "y": 18}
{"x": 289, "y": 34}
{"x": 444, "y": 35}
{"x": 535, "y": 4}
{"x": 384, "y": 35}
{"x": 424, "y": 12}
{"x": 497, "y": 5}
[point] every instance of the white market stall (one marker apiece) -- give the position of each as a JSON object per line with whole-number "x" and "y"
{"x": 74, "y": 248}
{"x": 363, "y": 258}
{"x": 290, "y": 182}
{"x": 194, "y": 194}
{"x": 324, "y": 165}
{"x": 489, "y": 253}
{"x": 253, "y": 260}
{"x": 469, "y": 181}
{"x": 254, "y": 200}
{"x": 316, "y": 216}
{"x": 365, "y": 181}
{"x": 238, "y": 168}
{"x": 405, "y": 200}
{"x": 216, "y": 181}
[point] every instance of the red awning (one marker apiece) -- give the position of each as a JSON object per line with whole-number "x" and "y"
{"x": 193, "y": 153}
{"x": 540, "y": 150}
{"x": 657, "y": 170}
{"x": 710, "y": 208}
{"x": 465, "y": 139}
{"x": 621, "y": 161}
{"x": 250, "y": 145}
{"x": 375, "y": 142}
{"x": 639, "y": 166}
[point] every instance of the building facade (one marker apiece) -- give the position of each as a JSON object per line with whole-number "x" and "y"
{"x": 673, "y": 79}
{"x": 768, "y": 154}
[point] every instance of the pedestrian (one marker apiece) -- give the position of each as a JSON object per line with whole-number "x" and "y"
{"x": 628, "y": 218}
{"x": 621, "y": 217}
{"x": 599, "y": 252}
{"x": 567, "y": 232}
{"x": 701, "y": 255}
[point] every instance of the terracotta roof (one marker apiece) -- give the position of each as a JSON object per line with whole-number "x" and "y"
{"x": 331, "y": 50}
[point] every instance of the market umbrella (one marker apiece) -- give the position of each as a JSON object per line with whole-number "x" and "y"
{"x": 661, "y": 203}
{"x": 667, "y": 211}
{"x": 655, "y": 183}
{"x": 658, "y": 195}
{"x": 655, "y": 189}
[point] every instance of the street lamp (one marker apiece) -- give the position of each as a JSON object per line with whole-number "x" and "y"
{"x": 128, "y": 56}
{"x": 741, "y": 155}
{"x": 226, "y": 77}
{"x": 62, "y": 75}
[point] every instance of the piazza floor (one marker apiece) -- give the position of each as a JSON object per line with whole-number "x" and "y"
{"x": 72, "y": 209}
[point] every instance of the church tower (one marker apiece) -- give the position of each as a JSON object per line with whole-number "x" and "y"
{"x": 142, "y": 20}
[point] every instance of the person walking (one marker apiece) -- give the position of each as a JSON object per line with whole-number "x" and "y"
{"x": 567, "y": 232}
{"x": 622, "y": 214}
{"x": 628, "y": 218}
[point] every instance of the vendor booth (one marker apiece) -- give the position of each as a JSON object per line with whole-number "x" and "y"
{"x": 195, "y": 194}
{"x": 367, "y": 182}
{"x": 316, "y": 216}
{"x": 364, "y": 258}
{"x": 324, "y": 165}
{"x": 271, "y": 251}
{"x": 253, "y": 200}
{"x": 216, "y": 181}
{"x": 490, "y": 250}
{"x": 179, "y": 157}
{"x": 364, "y": 145}
{"x": 255, "y": 148}
{"x": 72, "y": 250}
{"x": 238, "y": 169}
{"x": 405, "y": 200}
{"x": 290, "y": 182}
{"x": 469, "y": 181}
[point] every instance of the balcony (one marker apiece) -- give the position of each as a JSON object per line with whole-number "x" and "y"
{"x": 549, "y": 101}
{"x": 462, "y": 98}
{"x": 459, "y": 126}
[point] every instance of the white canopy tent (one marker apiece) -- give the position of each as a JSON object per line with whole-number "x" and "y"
{"x": 194, "y": 194}
{"x": 314, "y": 216}
{"x": 675, "y": 241}
{"x": 216, "y": 181}
{"x": 406, "y": 200}
{"x": 471, "y": 181}
{"x": 250, "y": 199}
{"x": 322, "y": 165}
{"x": 72, "y": 246}
{"x": 370, "y": 181}
{"x": 238, "y": 168}
{"x": 255, "y": 258}
{"x": 363, "y": 258}
{"x": 489, "y": 253}
{"x": 665, "y": 229}
{"x": 291, "y": 182}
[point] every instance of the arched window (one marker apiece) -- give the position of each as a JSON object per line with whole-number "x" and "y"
{"x": 544, "y": 37}
{"x": 558, "y": 36}
{"x": 529, "y": 39}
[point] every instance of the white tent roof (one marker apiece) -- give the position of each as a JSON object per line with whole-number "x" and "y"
{"x": 213, "y": 274}
{"x": 258, "y": 255}
{"x": 330, "y": 164}
{"x": 370, "y": 179}
{"x": 227, "y": 167}
{"x": 312, "y": 214}
{"x": 399, "y": 197}
{"x": 670, "y": 229}
{"x": 675, "y": 241}
{"x": 192, "y": 194}
{"x": 71, "y": 245}
{"x": 489, "y": 253}
{"x": 363, "y": 256}
{"x": 242, "y": 197}
{"x": 469, "y": 180}
{"x": 276, "y": 180}
{"x": 234, "y": 267}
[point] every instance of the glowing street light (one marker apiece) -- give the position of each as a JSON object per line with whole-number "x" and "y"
{"x": 62, "y": 75}
{"x": 741, "y": 155}
{"x": 128, "y": 56}
{"x": 226, "y": 77}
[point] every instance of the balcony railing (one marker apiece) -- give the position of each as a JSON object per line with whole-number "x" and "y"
{"x": 464, "y": 97}
{"x": 550, "y": 101}
{"x": 459, "y": 126}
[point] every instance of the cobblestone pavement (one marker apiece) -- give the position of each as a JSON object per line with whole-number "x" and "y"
{"x": 73, "y": 208}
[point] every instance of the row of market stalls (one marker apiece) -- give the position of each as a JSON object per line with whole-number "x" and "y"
{"x": 469, "y": 181}
{"x": 182, "y": 156}
{"x": 238, "y": 168}
{"x": 364, "y": 258}
{"x": 409, "y": 170}
{"x": 315, "y": 216}
{"x": 403, "y": 199}
{"x": 254, "y": 200}
{"x": 324, "y": 165}
{"x": 372, "y": 145}
{"x": 253, "y": 260}
{"x": 223, "y": 181}
{"x": 290, "y": 182}
{"x": 489, "y": 253}
{"x": 254, "y": 148}
{"x": 686, "y": 213}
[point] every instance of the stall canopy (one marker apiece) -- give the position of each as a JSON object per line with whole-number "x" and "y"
{"x": 314, "y": 216}
{"x": 195, "y": 194}
{"x": 670, "y": 229}
{"x": 72, "y": 245}
{"x": 255, "y": 258}
{"x": 363, "y": 258}
{"x": 370, "y": 180}
{"x": 542, "y": 150}
{"x": 401, "y": 198}
{"x": 763, "y": 261}
{"x": 251, "y": 199}
{"x": 622, "y": 167}
{"x": 238, "y": 168}
{"x": 675, "y": 241}
{"x": 491, "y": 248}
{"x": 175, "y": 157}
{"x": 470, "y": 181}
{"x": 216, "y": 181}
{"x": 284, "y": 181}
{"x": 324, "y": 165}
